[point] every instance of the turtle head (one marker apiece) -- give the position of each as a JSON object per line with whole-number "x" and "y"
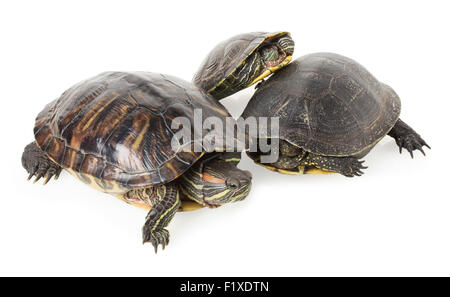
{"x": 276, "y": 50}
{"x": 215, "y": 180}
{"x": 275, "y": 53}
{"x": 223, "y": 182}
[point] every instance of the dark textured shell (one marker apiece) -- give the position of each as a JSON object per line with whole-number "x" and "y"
{"x": 113, "y": 131}
{"x": 327, "y": 104}
{"x": 227, "y": 56}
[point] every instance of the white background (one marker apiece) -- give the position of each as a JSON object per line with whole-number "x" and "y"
{"x": 394, "y": 220}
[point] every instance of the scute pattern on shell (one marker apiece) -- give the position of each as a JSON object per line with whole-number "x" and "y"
{"x": 327, "y": 104}
{"x": 114, "y": 129}
{"x": 227, "y": 56}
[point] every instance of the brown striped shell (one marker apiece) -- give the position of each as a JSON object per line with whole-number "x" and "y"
{"x": 227, "y": 56}
{"x": 327, "y": 104}
{"x": 113, "y": 131}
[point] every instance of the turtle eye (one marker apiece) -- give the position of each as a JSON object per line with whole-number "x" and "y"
{"x": 232, "y": 183}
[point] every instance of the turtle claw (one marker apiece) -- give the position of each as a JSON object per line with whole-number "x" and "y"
{"x": 352, "y": 167}
{"x": 48, "y": 177}
{"x": 157, "y": 237}
{"x": 31, "y": 175}
{"x": 38, "y": 177}
{"x": 411, "y": 142}
{"x": 45, "y": 171}
{"x": 37, "y": 164}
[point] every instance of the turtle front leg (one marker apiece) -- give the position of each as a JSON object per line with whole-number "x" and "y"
{"x": 347, "y": 166}
{"x": 160, "y": 216}
{"x": 38, "y": 164}
{"x": 407, "y": 138}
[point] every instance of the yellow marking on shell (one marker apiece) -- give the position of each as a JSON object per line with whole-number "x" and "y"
{"x": 266, "y": 166}
{"x": 190, "y": 206}
{"x": 286, "y": 171}
{"x": 88, "y": 124}
{"x": 298, "y": 171}
{"x": 277, "y": 34}
{"x": 115, "y": 189}
{"x": 232, "y": 160}
{"x": 171, "y": 168}
{"x": 218, "y": 109}
{"x": 318, "y": 171}
{"x": 263, "y": 75}
{"x": 271, "y": 70}
{"x": 141, "y": 134}
{"x": 73, "y": 156}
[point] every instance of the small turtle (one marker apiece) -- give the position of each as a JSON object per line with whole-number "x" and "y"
{"x": 331, "y": 111}
{"x": 243, "y": 60}
{"x": 113, "y": 132}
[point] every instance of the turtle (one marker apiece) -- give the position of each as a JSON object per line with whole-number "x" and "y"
{"x": 114, "y": 132}
{"x": 243, "y": 60}
{"x": 331, "y": 113}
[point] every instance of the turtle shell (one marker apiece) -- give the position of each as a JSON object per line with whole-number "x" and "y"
{"x": 226, "y": 57}
{"x": 327, "y": 104}
{"x": 113, "y": 131}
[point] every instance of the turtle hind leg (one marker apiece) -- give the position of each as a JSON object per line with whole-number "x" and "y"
{"x": 38, "y": 164}
{"x": 407, "y": 138}
{"x": 160, "y": 216}
{"x": 347, "y": 166}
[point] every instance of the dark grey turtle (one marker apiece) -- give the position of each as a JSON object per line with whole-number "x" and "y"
{"x": 331, "y": 111}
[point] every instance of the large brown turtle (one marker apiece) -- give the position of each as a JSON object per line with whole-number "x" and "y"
{"x": 331, "y": 113}
{"x": 113, "y": 132}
